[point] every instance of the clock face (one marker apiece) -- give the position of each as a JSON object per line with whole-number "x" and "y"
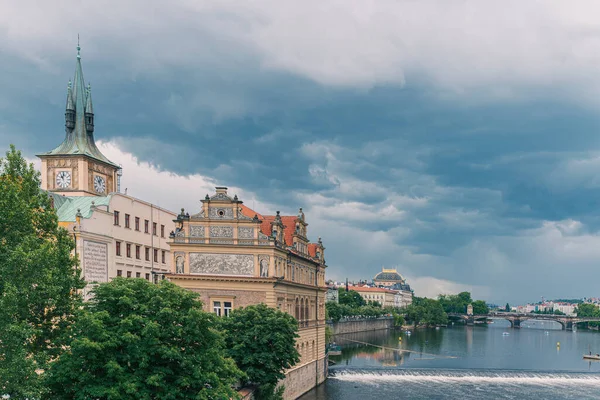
{"x": 99, "y": 185}
{"x": 63, "y": 179}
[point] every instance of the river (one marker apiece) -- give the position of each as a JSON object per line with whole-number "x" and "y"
{"x": 483, "y": 361}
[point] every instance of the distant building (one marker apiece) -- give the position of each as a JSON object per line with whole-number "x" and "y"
{"x": 115, "y": 234}
{"x": 391, "y": 279}
{"x": 383, "y": 296}
{"x": 333, "y": 295}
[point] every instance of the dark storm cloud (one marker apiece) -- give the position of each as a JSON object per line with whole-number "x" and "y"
{"x": 425, "y": 144}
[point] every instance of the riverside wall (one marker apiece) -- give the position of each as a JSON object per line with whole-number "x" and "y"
{"x": 360, "y": 325}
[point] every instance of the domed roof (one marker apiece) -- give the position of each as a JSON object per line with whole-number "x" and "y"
{"x": 389, "y": 275}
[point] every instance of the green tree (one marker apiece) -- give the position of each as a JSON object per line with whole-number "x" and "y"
{"x": 137, "y": 340}
{"x": 455, "y": 303}
{"x": 426, "y": 312}
{"x": 262, "y": 341}
{"x": 351, "y": 298}
{"x": 334, "y": 311}
{"x": 588, "y": 310}
{"x": 507, "y": 307}
{"x": 480, "y": 307}
{"x": 38, "y": 280}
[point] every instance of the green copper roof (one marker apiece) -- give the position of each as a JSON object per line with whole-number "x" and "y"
{"x": 79, "y": 140}
{"x": 67, "y": 206}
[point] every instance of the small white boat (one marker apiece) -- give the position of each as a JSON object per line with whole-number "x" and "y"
{"x": 505, "y": 333}
{"x": 591, "y": 357}
{"x": 408, "y": 332}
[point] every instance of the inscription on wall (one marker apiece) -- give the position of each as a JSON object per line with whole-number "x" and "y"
{"x": 222, "y": 264}
{"x": 95, "y": 261}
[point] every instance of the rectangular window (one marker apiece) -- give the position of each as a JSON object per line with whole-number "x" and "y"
{"x": 137, "y": 223}
{"x": 155, "y": 255}
{"x": 119, "y": 272}
{"x": 226, "y": 308}
{"x": 147, "y": 277}
{"x": 162, "y": 231}
{"x": 147, "y": 251}
{"x": 137, "y": 252}
{"x": 129, "y": 274}
{"x": 128, "y": 249}
{"x": 116, "y": 215}
{"x": 217, "y": 307}
{"x": 127, "y": 221}
{"x": 154, "y": 228}
{"x": 146, "y": 225}
{"x": 163, "y": 255}
{"x": 118, "y": 248}
{"x": 137, "y": 274}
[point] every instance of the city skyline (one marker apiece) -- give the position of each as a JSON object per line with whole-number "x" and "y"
{"x": 465, "y": 165}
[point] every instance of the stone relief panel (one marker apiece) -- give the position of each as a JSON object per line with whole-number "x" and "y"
{"x": 220, "y": 212}
{"x": 222, "y": 264}
{"x": 221, "y": 231}
{"x": 245, "y": 232}
{"x": 197, "y": 231}
{"x": 263, "y": 262}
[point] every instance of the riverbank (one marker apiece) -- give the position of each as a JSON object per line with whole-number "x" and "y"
{"x": 355, "y": 325}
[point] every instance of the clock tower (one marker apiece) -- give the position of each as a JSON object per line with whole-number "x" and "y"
{"x": 76, "y": 167}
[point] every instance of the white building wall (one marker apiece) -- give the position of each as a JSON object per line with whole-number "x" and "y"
{"x": 99, "y": 231}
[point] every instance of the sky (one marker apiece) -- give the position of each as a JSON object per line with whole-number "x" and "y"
{"x": 458, "y": 141}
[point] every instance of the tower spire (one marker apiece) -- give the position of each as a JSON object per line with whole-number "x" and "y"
{"x": 79, "y": 119}
{"x": 89, "y": 110}
{"x": 69, "y": 109}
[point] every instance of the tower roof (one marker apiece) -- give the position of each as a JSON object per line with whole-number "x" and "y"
{"x": 78, "y": 140}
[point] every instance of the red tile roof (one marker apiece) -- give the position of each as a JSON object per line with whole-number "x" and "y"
{"x": 248, "y": 212}
{"x": 289, "y": 223}
{"x": 265, "y": 227}
{"x": 312, "y": 249}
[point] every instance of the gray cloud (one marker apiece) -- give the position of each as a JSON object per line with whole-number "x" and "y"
{"x": 457, "y": 141}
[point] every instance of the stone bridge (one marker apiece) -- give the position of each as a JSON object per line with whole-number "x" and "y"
{"x": 515, "y": 319}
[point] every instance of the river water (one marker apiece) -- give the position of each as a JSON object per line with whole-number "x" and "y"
{"x": 480, "y": 362}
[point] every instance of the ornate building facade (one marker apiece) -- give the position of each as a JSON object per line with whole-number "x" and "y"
{"x": 235, "y": 257}
{"x": 115, "y": 234}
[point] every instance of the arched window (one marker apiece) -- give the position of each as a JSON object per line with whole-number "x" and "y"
{"x": 297, "y": 314}
{"x": 306, "y": 315}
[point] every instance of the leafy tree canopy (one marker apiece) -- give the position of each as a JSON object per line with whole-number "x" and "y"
{"x": 588, "y": 310}
{"x": 262, "y": 341}
{"x": 480, "y": 307}
{"x": 137, "y": 340}
{"x": 426, "y": 312}
{"x": 38, "y": 280}
{"x": 351, "y": 298}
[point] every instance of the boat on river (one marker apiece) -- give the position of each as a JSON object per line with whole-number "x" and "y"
{"x": 591, "y": 357}
{"x": 334, "y": 350}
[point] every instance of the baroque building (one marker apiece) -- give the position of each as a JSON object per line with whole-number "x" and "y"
{"x": 115, "y": 234}
{"x": 234, "y": 257}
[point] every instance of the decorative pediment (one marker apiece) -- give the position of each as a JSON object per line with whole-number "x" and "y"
{"x": 221, "y": 197}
